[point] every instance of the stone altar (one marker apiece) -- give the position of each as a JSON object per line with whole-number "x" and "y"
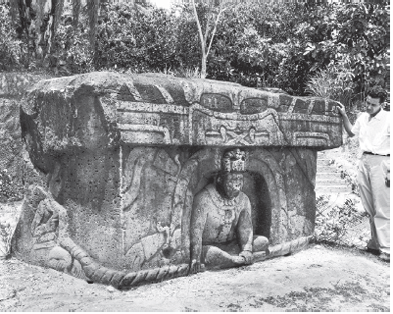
{"x": 125, "y": 155}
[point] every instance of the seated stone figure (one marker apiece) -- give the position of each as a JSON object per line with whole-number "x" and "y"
{"x": 221, "y": 227}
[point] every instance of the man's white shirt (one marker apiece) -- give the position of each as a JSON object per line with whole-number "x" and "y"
{"x": 374, "y": 133}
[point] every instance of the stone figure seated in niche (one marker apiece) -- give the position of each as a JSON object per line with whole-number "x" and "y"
{"x": 221, "y": 226}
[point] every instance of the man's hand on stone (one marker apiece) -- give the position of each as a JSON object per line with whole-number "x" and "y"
{"x": 247, "y": 255}
{"x": 341, "y": 109}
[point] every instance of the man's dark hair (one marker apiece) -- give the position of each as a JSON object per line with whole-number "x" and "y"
{"x": 378, "y": 92}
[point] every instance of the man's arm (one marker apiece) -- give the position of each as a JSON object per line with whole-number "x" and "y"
{"x": 245, "y": 233}
{"x": 198, "y": 221}
{"x": 347, "y": 124}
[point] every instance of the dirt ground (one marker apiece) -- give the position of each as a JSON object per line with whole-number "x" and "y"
{"x": 321, "y": 278}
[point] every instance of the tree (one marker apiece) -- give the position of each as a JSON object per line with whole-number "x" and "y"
{"x": 36, "y": 22}
{"x": 356, "y": 36}
{"x": 93, "y": 7}
{"x": 11, "y": 49}
{"x": 205, "y": 47}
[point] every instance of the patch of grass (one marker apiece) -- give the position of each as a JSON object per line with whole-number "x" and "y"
{"x": 234, "y": 307}
{"x": 182, "y": 72}
{"x": 349, "y": 289}
{"x": 317, "y": 298}
{"x": 187, "y": 309}
{"x": 378, "y": 308}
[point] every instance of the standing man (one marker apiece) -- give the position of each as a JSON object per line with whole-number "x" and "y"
{"x": 373, "y": 130}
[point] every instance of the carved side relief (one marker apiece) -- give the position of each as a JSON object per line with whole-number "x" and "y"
{"x": 164, "y": 242}
{"x": 235, "y": 136}
{"x": 44, "y": 226}
{"x": 254, "y": 105}
{"x": 151, "y": 134}
{"x": 246, "y": 118}
{"x": 311, "y": 138}
{"x": 234, "y": 129}
{"x": 216, "y": 102}
{"x": 157, "y": 238}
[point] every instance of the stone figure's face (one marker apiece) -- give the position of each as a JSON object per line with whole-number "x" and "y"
{"x": 372, "y": 105}
{"x": 232, "y": 184}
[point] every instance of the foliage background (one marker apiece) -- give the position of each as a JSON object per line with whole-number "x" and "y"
{"x": 336, "y": 50}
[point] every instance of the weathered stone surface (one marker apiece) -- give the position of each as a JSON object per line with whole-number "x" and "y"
{"x": 103, "y": 109}
{"x": 13, "y": 156}
{"x": 10, "y": 133}
{"x": 17, "y": 84}
{"x": 125, "y": 156}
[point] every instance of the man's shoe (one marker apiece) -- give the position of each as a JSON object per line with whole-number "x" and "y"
{"x": 372, "y": 251}
{"x": 385, "y": 257}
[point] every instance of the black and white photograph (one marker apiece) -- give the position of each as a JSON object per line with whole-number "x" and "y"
{"x": 194, "y": 156}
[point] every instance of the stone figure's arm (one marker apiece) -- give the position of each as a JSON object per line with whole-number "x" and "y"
{"x": 245, "y": 233}
{"x": 198, "y": 221}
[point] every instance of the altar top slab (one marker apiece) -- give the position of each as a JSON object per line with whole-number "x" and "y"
{"x": 108, "y": 108}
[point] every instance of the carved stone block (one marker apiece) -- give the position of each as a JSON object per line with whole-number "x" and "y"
{"x": 126, "y": 155}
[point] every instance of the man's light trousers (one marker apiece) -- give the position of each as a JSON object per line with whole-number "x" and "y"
{"x": 375, "y": 196}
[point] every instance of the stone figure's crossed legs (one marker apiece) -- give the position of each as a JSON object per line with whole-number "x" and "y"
{"x": 226, "y": 256}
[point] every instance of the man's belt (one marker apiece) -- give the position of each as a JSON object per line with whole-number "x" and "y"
{"x": 370, "y": 153}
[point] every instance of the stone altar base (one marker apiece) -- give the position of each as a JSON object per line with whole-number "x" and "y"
{"x": 124, "y": 156}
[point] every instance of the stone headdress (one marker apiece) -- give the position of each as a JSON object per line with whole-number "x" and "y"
{"x": 234, "y": 160}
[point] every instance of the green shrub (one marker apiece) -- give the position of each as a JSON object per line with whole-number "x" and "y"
{"x": 333, "y": 224}
{"x": 334, "y": 82}
{"x": 141, "y": 40}
{"x": 8, "y": 190}
{"x": 71, "y": 52}
{"x": 364, "y": 32}
{"x": 5, "y": 238}
{"x": 269, "y": 44}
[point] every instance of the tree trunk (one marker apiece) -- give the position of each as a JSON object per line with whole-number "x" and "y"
{"x": 203, "y": 65}
{"x": 21, "y": 12}
{"x": 76, "y": 8}
{"x": 93, "y": 9}
{"x": 51, "y": 19}
{"x": 43, "y": 27}
{"x": 36, "y": 23}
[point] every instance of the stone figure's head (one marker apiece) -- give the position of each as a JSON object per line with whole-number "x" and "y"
{"x": 230, "y": 178}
